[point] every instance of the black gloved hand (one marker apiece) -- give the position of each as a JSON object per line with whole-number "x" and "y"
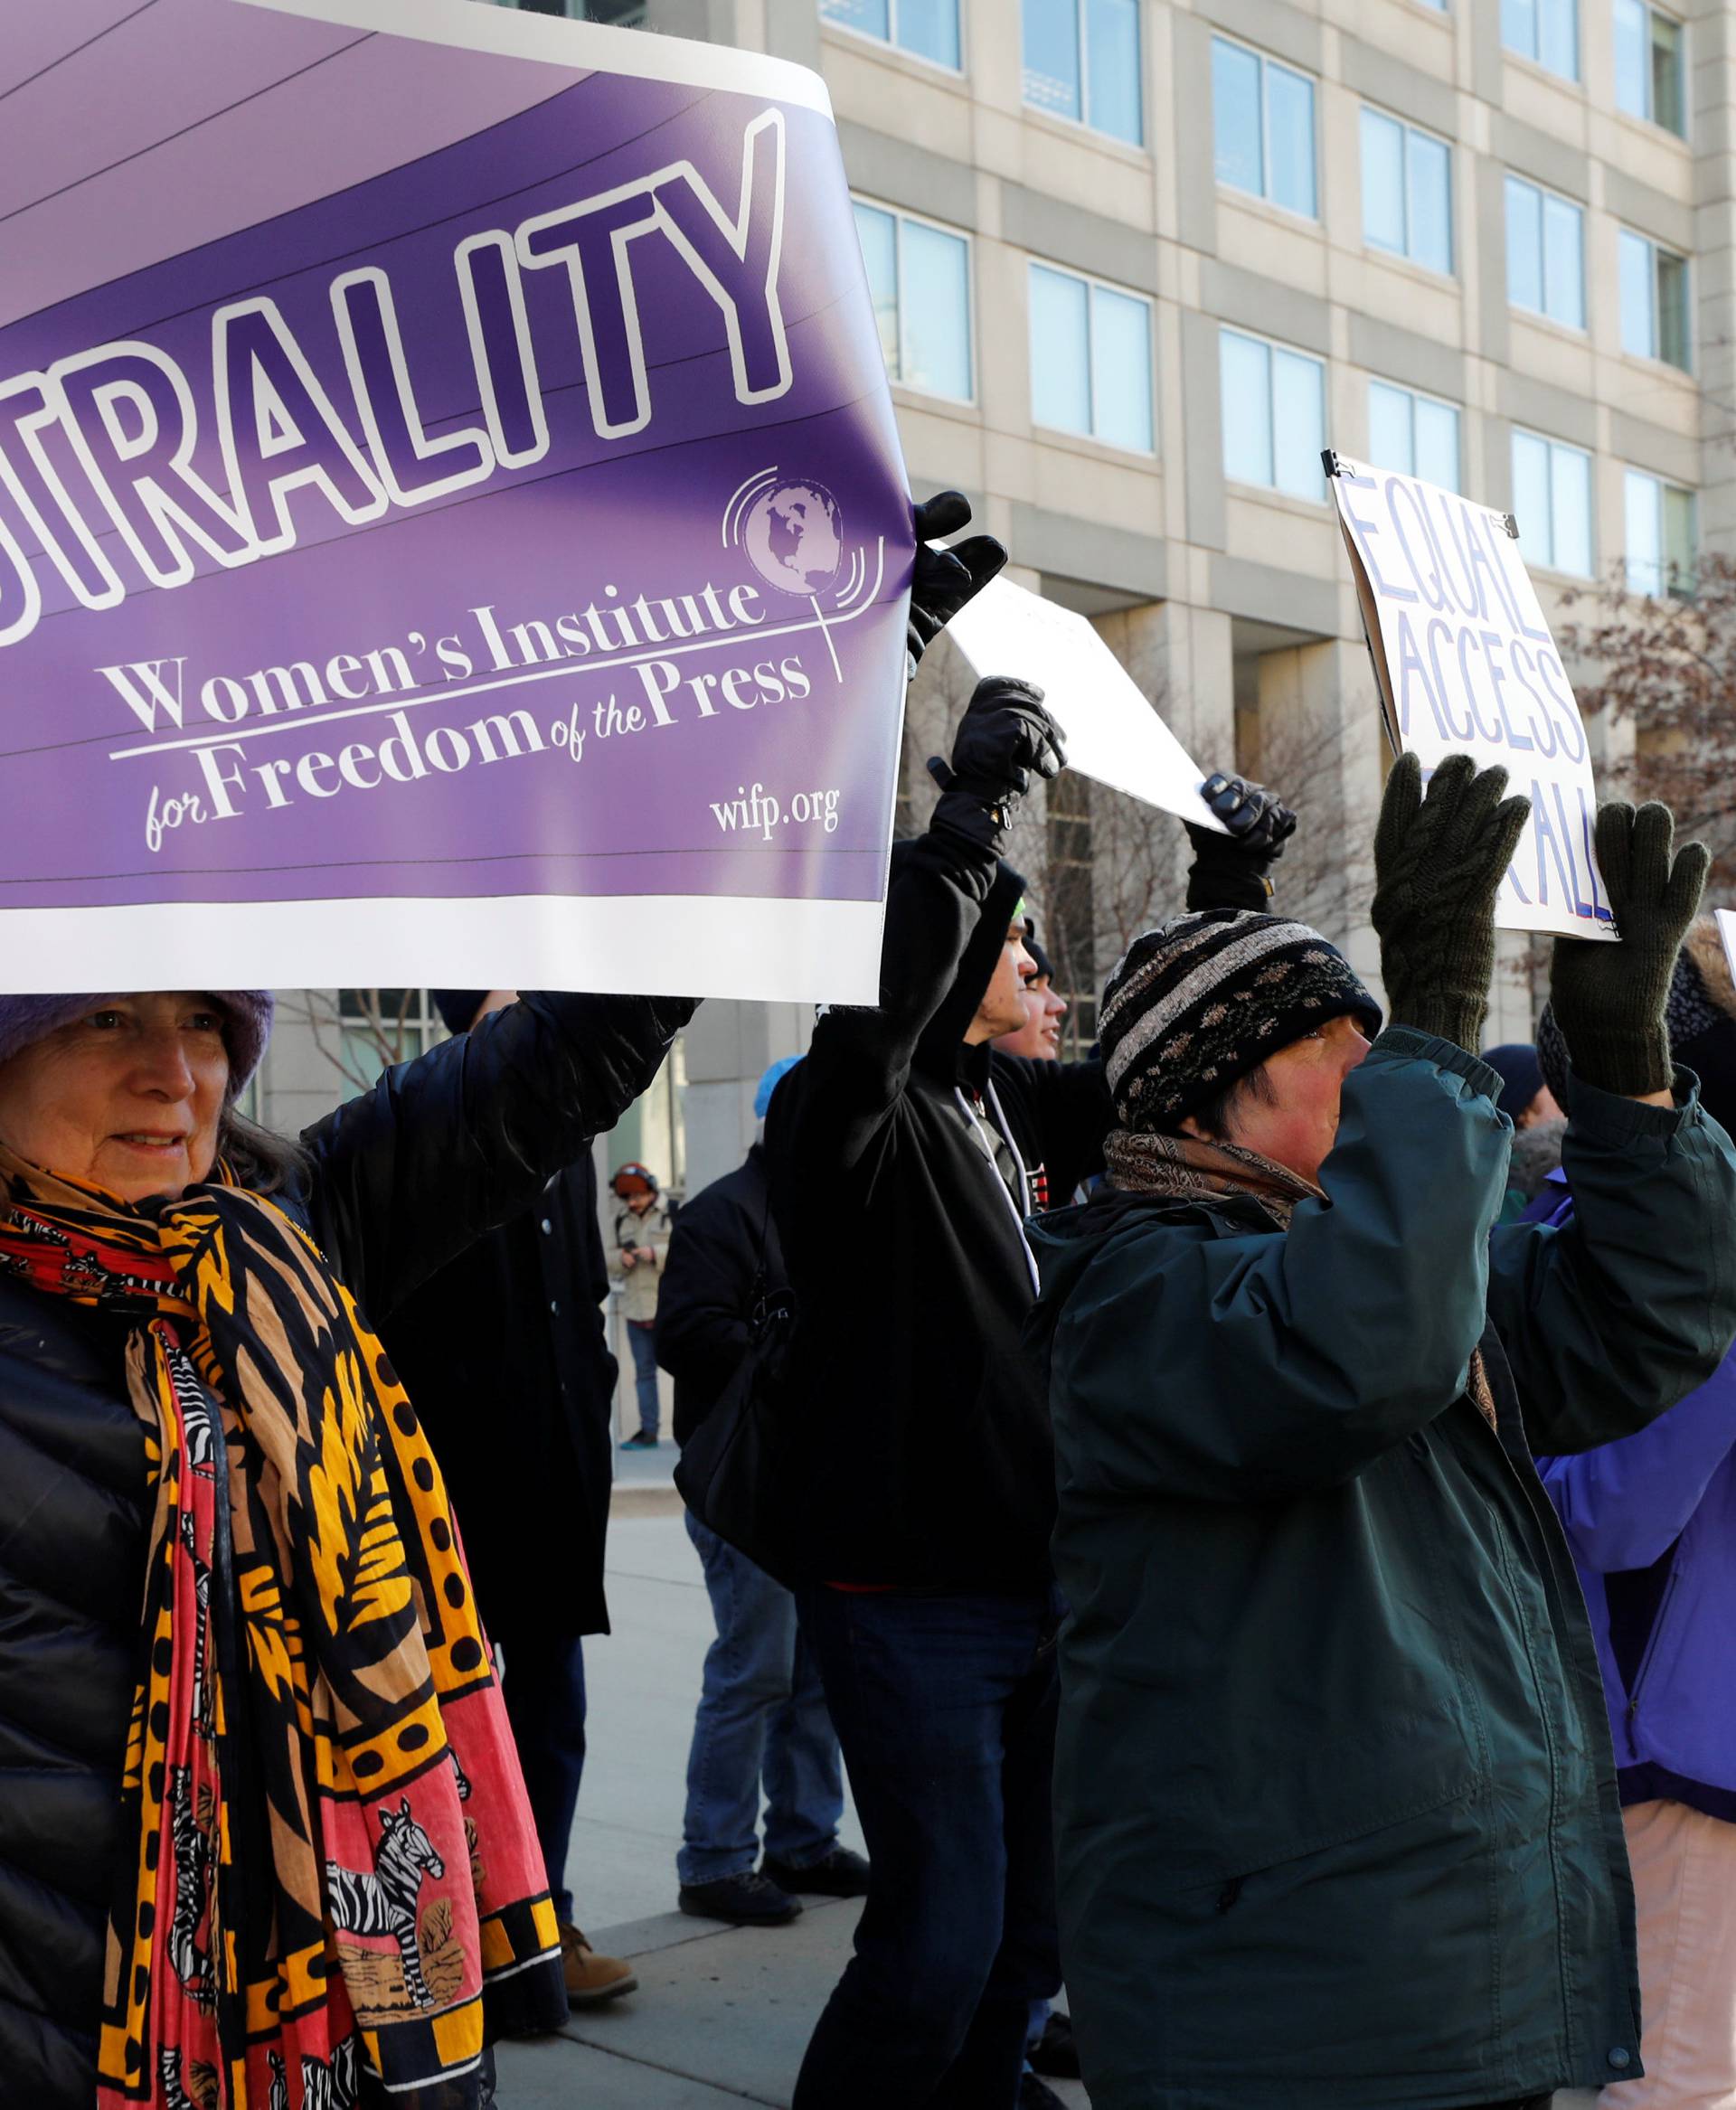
{"x": 1230, "y": 872}
{"x": 944, "y": 579}
{"x": 1438, "y": 863}
{"x": 1609, "y": 1000}
{"x": 1005, "y": 738}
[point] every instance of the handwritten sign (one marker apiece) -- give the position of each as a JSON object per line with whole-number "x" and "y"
{"x": 1112, "y": 732}
{"x": 452, "y": 526}
{"x": 1467, "y": 664}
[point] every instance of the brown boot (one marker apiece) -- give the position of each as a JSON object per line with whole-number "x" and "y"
{"x": 591, "y": 1978}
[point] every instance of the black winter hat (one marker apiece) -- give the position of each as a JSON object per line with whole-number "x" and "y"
{"x": 458, "y": 1007}
{"x": 1515, "y": 1063}
{"x": 1196, "y": 1005}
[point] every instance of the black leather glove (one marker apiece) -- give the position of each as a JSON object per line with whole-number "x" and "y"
{"x": 1609, "y": 1000}
{"x": 944, "y": 579}
{"x": 1003, "y": 739}
{"x": 1230, "y": 872}
{"x": 1438, "y": 863}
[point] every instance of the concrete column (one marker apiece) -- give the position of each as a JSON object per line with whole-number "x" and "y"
{"x": 1712, "y": 127}
{"x": 1320, "y": 746}
{"x": 728, "y": 1047}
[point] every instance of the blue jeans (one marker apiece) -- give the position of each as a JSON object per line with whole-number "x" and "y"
{"x": 761, "y": 1714}
{"x": 945, "y": 1708}
{"x": 545, "y": 1692}
{"x": 642, "y": 1339}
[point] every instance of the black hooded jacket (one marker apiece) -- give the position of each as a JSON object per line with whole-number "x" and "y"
{"x": 919, "y": 1450}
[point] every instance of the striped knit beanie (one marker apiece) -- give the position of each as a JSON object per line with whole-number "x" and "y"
{"x": 1199, "y": 1003}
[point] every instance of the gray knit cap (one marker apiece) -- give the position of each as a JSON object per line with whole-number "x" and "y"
{"x": 246, "y": 1031}
{"x": 1196, "y": 1005}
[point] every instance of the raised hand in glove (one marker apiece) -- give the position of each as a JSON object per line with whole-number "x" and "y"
{"x": 1230, "y": 872}
{"x": 1003, "y": 739}
{"x": 1438, "y": 862}
{"x": 1608, "y": 999}
{"x": 944, "y": 579}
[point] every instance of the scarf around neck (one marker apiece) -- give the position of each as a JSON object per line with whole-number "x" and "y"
{"x": 331, "y": 1864}
{"x": 1187, "y": 1168}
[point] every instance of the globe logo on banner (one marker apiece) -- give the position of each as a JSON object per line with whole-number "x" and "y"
{"x": 794, "y": 535}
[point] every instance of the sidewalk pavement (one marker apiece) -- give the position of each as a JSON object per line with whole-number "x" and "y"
{"x": 723, "y": 2014}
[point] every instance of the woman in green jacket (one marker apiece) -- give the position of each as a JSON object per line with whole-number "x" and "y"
{"x": 1335, "y": 1807}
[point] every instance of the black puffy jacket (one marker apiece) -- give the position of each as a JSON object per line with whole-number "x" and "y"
{"x": 441, "y": 1150}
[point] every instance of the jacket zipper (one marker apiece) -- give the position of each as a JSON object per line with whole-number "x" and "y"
{"x": 994, "y": 1173}
{"x": 1652, "y": 1639}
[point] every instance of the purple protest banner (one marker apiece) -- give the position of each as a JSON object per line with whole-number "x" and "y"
{"x": 452, "y": 525}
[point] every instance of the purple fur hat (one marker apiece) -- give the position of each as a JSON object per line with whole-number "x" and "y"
{"x": 248, "y": 1027}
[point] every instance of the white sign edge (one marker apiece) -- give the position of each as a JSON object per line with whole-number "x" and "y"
{"x": 581, "y": 47}
{"x": 794, "y": 950}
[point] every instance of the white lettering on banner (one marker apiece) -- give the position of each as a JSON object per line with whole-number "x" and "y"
{"x": 1467, "y": 664}
{"x": 133, "y": 415}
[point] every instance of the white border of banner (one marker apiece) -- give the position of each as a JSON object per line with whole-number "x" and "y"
{"x": 712, "y": 945}
{"x": 582, "y": 47}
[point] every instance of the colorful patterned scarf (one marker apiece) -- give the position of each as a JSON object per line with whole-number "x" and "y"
{"x": 333, "y": 1866}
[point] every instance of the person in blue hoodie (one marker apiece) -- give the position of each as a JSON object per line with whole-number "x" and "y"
{"x": 1651, "y": 1521}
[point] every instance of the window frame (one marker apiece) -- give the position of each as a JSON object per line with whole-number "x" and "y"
{"x": 1408, "y": 131}
{"x": 1082, "y": 123}
{"x": 1536, "y": 58}
{"x": 1415, "y": 396}
{"x": 899, "y": 217}
{"x": 1309, "y": 219}
{"x": 1543, "y": 193}
{"x": 1589, "y": 458}
{"x": 890, "y": 42}
{"x": 1649, "y": 115}
{"x": 1271, "y": 346}
{"x": 1656, "y": 251}
{"x": 1662, "y": 486}
{"x": 1093, "y": 286}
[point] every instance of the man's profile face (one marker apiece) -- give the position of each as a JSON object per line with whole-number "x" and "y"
{"x": 1002, "y": 1010}
{"x": 1039, "y": 1038}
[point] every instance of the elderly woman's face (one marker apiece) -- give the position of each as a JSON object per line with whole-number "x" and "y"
{"x": 127, "y": 1098}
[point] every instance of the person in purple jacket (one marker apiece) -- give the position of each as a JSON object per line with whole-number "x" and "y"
{"x": 1652, "y": 1523}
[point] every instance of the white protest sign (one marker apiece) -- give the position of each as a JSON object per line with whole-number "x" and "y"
{"x": 1465, "y": 665}
{"x": 1112, "y": 732}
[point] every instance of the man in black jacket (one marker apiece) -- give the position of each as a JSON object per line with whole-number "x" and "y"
{"x": 904, "y": 1157}
{"x": 761, "y": 1711}
{"x": 505, "y": 1353}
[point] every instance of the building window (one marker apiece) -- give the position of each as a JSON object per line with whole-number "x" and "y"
{"x": 379, "y": 1027}
{"x": 1090, "y": 359}
{"x": 929, "y": 28}
{"x": 1263, "y": 123}
{"x": 1552, "y": 501}
{"x": 1650, "y": 76}
{"x": 1545, "y": 254}
{"x": 920, "y": 276}
{"x": 1081, "y": 61}
{"x": 1416, "y": 435}
{"x": 1273, "y": 414}
{"x": 1654, "y": 301}
{"x": 1660, "y": 523}
{"x": 1407, "y": 191}
{"x": 1547, "y": 30}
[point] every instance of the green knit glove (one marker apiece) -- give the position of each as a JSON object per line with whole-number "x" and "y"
{"x": 1608, "y": 999}
{"x": 1438, "y": 863}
